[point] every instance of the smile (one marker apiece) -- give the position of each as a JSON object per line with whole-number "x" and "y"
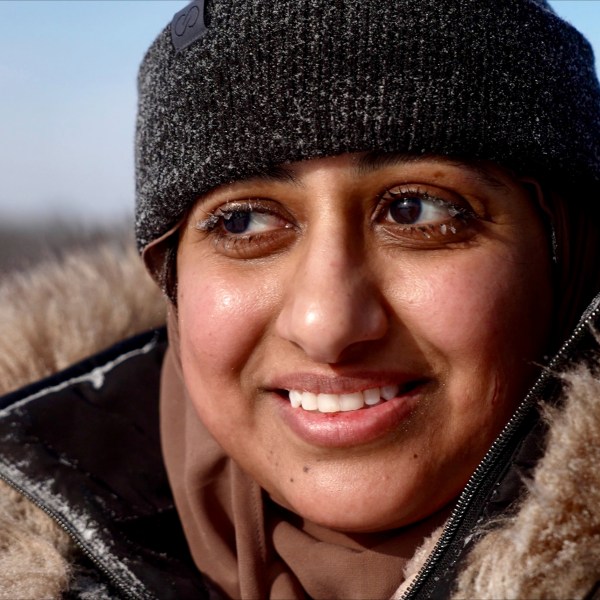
{"x": 350, "y": 417}
{"x": 332, "y": 403}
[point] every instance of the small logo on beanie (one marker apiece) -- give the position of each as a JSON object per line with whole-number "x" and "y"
{"x": 188, "y": 25}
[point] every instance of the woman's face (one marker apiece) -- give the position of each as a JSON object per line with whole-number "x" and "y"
{"x": 355, "y": 331}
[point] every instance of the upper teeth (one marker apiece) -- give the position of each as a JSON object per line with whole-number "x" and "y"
{"x": 330, "y": 403}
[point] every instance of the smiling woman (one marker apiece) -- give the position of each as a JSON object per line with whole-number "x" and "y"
{"x": 340, "y": 320}
{"x": 378, "y": 249}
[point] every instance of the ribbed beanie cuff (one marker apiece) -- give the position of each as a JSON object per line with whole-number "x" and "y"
{"x": 272, "y": 82}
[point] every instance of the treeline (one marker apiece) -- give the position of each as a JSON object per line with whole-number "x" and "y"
{"x": 22, "y": 246}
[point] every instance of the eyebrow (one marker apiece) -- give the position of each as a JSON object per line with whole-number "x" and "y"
{"x": 377, "y": 159}
{"x": 278, "y": 173}
{"x": 374, "y": 160}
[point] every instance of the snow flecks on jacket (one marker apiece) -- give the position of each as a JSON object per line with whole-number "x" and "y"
{"x": 80, "y": 525}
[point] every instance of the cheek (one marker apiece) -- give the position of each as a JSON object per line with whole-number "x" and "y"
{"x": 220, "y": 321}
{"x": 475, "y": 304}
{"x": 481, "y": 318}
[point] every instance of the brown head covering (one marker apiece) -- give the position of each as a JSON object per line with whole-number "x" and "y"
{"x": 245, "y": 543}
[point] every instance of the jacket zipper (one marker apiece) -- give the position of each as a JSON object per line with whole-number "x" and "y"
{"x": 469, "y": 494}
{"x": 124, "y": 588}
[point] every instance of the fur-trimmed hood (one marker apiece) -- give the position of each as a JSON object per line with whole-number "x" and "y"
{"x": 547, "y": 547}
{"x": 51, "y": 316}
{"x": 551, "y": 547}
{"x": 69, "y": 307}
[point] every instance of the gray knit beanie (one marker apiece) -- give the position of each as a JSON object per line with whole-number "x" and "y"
{"x": 231, "y": 87}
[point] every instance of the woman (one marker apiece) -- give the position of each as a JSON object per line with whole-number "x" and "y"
{"x": 373, "y": 223}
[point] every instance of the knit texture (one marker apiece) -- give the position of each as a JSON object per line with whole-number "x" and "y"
{"x": 272, "y": 82}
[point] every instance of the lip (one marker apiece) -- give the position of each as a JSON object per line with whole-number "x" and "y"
{"x": 353, "y": 428}
{"x": 339, "y": 384}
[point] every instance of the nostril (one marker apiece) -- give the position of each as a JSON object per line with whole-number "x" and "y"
{"x": 325, "y": 312}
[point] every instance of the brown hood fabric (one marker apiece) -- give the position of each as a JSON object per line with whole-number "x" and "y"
{"x": 249, "y": 546}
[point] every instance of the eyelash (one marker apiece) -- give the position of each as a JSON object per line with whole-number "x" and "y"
{"x": 243, "y": 243}
{"x": 459, "y": 216}
{"x": 250, "y": 244}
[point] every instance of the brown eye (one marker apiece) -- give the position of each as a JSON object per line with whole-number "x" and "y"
{"x": 405, "y": 211}
{"x": 242, "y": 219}
{"x": 247, "y": 228}
{"x": 250, "y": 222}
{"x": 237, "y": 222}
{"x": 420, "y": 209}
{"x": 417, "y": 214}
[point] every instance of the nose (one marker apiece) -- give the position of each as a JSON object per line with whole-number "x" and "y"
{"x": 332, "y": 302}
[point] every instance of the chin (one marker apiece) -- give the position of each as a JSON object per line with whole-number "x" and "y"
{"x": 350, "y": 510}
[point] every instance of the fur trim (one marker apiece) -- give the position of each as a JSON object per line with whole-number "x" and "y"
{"x": 51, "y": 316}
{"x": 414, "y": 565}
{"x": 34, "y": 551}
{"x": 60, "y": 312}
{"x": 551, "y": 547}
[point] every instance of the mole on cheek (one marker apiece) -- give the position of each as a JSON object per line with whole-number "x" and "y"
{"x": 272, "y": 457}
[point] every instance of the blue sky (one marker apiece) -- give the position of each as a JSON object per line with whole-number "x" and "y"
{"x": 67, "y": 100}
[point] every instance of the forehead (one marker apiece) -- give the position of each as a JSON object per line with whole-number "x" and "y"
{"x": 368, "y": 163}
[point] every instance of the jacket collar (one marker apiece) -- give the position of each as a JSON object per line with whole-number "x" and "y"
{"x": 94, "y": 428}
